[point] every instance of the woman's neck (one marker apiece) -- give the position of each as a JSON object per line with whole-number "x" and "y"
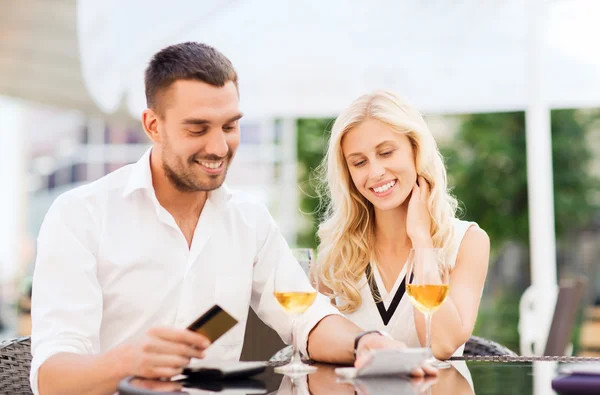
{"x": 392, "y": 244}
{"x": 390, "y": 230}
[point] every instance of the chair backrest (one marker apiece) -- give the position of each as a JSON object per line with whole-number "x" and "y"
{"x": 15, "y": 363}
{"x": 260, "y": 341}
{"x": 565, "y": 314}
{"x": 478, "y": 346}
{"x": 568, "y": 296}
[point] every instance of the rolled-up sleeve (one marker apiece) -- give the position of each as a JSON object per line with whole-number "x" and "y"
{"x": 273, "y": 250}
{"x": 66, "y": 307}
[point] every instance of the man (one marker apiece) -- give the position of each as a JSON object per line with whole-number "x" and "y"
{"x": 127, "y": 262}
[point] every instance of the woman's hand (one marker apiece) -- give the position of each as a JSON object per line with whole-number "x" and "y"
{"x": 418, "y": 220}
{"x": 375, "y": 341}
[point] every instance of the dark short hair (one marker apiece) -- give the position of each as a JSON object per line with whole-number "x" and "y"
{"x": 186, "y": 61}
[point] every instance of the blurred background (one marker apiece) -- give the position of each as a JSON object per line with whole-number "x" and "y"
{"x": 510, "y": 90}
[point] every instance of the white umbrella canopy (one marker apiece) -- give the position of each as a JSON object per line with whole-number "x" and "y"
{"x": 312, "y": 58}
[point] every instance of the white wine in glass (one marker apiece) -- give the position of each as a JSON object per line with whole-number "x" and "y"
{"x": 429, "y": 297}
{"x": 295, "y": 302}
{"x": 295, "y": 293}
{"x": 428, "y": 285}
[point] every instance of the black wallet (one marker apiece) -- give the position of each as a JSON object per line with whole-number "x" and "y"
{"x": 246, "y": 386}
{"x": 224, "y": 370}
{"x": 135, "y": 386}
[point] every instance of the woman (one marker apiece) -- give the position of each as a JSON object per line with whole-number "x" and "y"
{"x": 386, "y": 184}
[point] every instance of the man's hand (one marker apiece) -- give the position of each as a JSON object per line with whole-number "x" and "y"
{"x": 374, "y": 341}
{"x": 163, "y": 352}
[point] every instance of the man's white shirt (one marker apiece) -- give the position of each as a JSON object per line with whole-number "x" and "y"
{"x": 112, "y": 263}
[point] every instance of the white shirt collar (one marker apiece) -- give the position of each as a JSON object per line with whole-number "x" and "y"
{"x": 141, "y": 178}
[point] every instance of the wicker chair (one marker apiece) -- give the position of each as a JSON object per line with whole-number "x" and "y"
{"x": 478, "y": 346}
{"x": 15, "y": 362}
{"x": 475, "y": 346}
{"x": 282, "y": 356}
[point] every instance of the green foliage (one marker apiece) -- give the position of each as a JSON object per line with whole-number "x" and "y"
{"x": 313, "y": 135}
{"x": 487, "y": 168}
{"x": 575, "y": 185}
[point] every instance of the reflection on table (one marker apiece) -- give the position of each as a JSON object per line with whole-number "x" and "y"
{"x": 488, "y": 378}
{"x": 455, "y": 380}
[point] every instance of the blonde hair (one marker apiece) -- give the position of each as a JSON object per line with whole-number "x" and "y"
{"x": 347, "y": 232}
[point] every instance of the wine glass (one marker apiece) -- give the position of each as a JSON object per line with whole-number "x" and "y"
{"x": 294, "y": 385}
{"x": 428, "y": 285}
{"x": 295, "y": 293}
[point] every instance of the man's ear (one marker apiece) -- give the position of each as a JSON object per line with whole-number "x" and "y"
{"x": 150, "y": 123}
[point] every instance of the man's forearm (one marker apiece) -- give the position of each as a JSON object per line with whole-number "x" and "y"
{"x": 332, "y": 340}
{"x": 68, "y": 373}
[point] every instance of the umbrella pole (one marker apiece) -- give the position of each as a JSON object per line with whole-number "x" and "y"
{"x": 540, "y": 180}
